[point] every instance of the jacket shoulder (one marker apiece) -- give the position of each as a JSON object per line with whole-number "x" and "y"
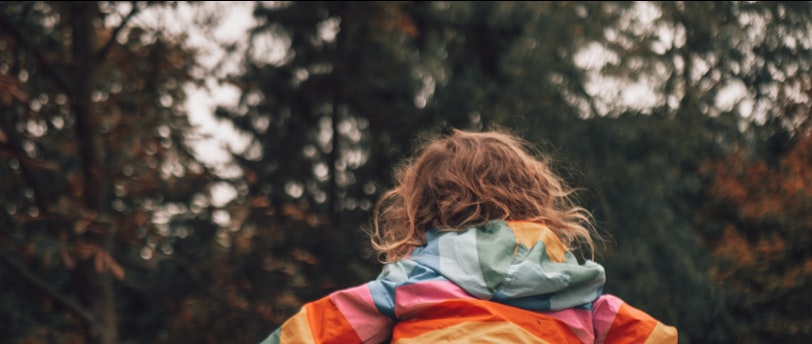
{"x": 616, "y": 321}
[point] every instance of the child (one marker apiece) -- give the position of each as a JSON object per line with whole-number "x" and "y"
{"x": 477, "y": 239}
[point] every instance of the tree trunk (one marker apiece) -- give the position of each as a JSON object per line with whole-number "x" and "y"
{"x": 95, "y": 286}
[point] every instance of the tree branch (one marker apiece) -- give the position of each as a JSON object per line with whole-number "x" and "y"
{"x": 28, "y": 165}
{"x": 102, "y": 54}
{"x": 25, "y": 42}
{"x": 32, "y": 278}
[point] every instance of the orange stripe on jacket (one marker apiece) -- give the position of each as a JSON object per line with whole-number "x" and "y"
{"x": 448, "y": 315}
{"x": 328, "y": 324}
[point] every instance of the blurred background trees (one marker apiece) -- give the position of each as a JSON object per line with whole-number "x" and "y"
{"x": 685, "y": 123}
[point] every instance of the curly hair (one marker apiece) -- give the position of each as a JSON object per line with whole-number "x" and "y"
{"x": 470, "y": 178}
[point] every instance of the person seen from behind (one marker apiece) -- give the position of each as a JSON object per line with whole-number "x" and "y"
{"x": 477, "y": 238}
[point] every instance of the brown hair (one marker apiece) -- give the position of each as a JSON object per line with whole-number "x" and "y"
{"x": 469, "y": 178}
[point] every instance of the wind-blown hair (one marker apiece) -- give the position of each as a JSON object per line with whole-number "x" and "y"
{"x": 469, "y": 178}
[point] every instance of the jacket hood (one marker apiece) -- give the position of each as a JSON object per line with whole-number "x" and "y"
{"x": 522, "y": 264}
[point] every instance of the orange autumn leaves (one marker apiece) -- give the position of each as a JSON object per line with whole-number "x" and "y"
{"x": 759, "y": 190}
{"x": 766, "y": 211}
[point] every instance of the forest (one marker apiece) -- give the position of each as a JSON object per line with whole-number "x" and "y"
{"x": 685, "y": 126}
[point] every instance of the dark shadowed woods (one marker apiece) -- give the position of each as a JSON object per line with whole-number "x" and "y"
{"x": 686, "y": 125}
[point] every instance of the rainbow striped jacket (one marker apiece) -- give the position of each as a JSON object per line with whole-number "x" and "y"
{"x": 502, "y": 282}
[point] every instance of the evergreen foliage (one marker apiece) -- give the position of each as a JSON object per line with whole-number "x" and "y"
{"x": 109, "y": 233}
